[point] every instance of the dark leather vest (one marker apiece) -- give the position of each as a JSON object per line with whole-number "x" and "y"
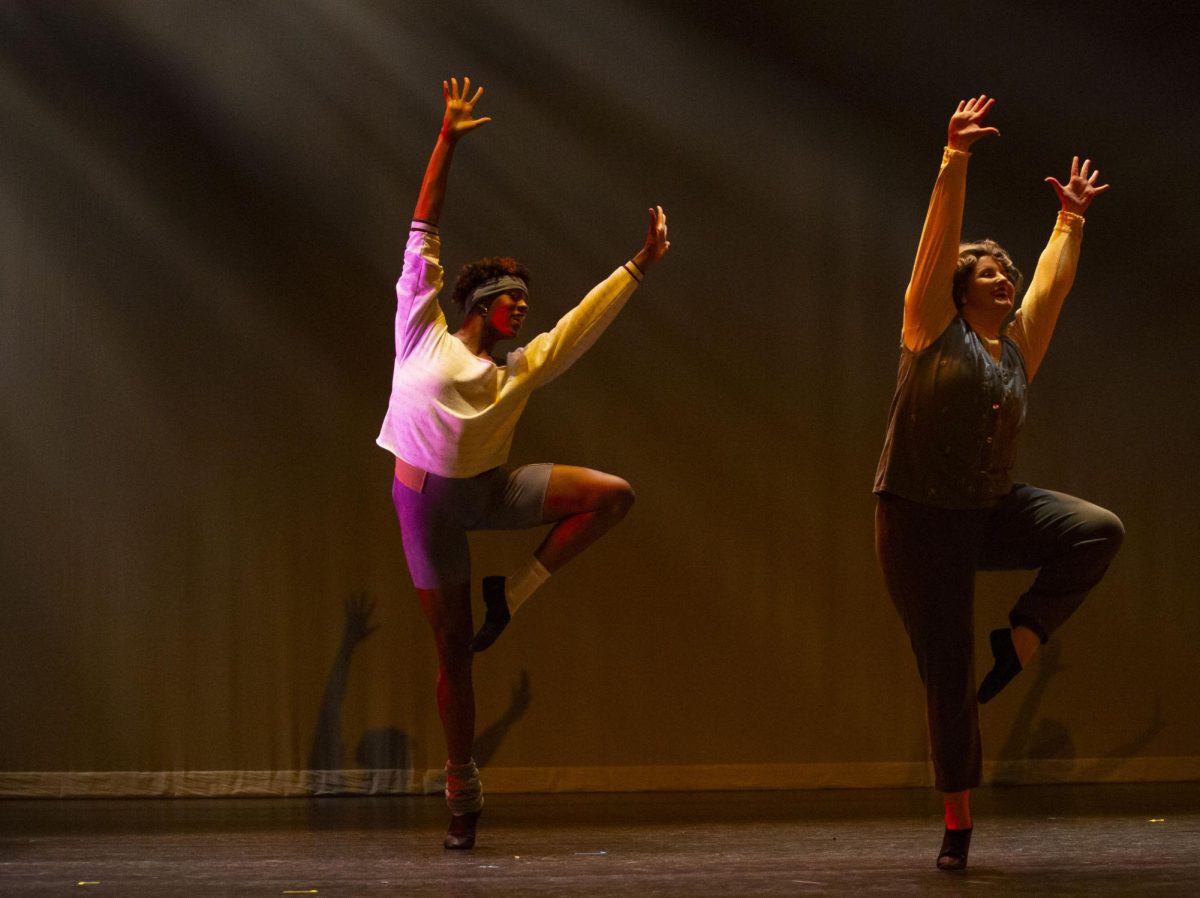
{"x": 954, "y": 421}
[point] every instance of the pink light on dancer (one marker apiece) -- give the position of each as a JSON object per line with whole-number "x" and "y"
{"x": 450, "y": 424}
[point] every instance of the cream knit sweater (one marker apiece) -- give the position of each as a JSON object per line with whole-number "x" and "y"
{"x": 451, "y": 412}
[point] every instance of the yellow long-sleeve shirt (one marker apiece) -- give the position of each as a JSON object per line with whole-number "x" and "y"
{"x": 928, "y": 301}
{"x": 960, "y": 398}
{"x": 451, "y": 412}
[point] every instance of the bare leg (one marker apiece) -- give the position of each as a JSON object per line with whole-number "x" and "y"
{"x": 956, "y": 841}
{"x": 957, "y": 809}
{"x": 1026, "y": 642}
{"x": 586, "y": 504}
{"x": 448, "y": 611}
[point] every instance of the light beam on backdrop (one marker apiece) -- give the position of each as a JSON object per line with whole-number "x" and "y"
{"x": 204, "y": 207}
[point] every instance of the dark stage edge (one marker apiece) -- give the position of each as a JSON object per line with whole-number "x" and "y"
{"x": 1046, "y": 840}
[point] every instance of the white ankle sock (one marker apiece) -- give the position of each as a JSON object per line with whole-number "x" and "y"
{"x": 521, "y": 585}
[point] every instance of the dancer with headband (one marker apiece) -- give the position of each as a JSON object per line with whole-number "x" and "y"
{"x": 450, "y": 424}
{"x": 947, "y": 502}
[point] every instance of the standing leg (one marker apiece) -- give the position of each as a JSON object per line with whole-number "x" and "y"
{"x": 584, "y": 504}
{"x": 440, "y": 564}
{"x": 1070, "y": 541}
{"x": 448, "y": 611}
{"x": 927, "y": 556}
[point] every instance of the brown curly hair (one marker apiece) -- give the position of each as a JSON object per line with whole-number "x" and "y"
{"x": 475, "y": 273}
{"x": 970, "y": 253}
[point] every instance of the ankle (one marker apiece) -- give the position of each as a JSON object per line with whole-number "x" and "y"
{"x": 1026, "y": 643}
{"x": 464, "y": 791}
{"x": 524, "y": 583}
{"x": 957, "y": 810}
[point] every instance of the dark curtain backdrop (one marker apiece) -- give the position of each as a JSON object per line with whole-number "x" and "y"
{"x": 202, "y": 208}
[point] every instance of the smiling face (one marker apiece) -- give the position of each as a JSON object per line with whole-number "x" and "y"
{"x": 506, "y": 313}
{"x": 988, "y": 288}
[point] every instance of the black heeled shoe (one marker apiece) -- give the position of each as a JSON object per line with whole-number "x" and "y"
{"x": 497, "y": 616}
{"x": 1007, "y": 665}
{"x": 461, "y": 833}
{"x": 955, "y": 845}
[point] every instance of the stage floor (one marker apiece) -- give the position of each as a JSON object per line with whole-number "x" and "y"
{"x": 1045, "y": 840}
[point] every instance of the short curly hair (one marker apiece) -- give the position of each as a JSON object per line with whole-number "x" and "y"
{"x": 969, "y": 254}
{"x": 475, "y": 273}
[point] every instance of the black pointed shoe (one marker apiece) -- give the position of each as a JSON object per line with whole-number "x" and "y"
{"x": 497, "y": 616}
{"x": 955, "y": 845}
{"x": 461, "y": 834}
{"x": 1007, "y": 665}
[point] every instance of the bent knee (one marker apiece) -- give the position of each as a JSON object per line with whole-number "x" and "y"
{"x": 618, "y": 498}
{"x": 1108, "y": 527}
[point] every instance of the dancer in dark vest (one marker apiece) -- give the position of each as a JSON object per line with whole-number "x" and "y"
{"x": 450, "y": 424}
{"x": 948, "y": 506}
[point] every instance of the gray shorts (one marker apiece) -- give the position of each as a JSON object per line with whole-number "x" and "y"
{"x": 435, "y": 521}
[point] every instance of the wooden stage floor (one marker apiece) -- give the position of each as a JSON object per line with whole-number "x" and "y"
{"x": 1046, "y": 840}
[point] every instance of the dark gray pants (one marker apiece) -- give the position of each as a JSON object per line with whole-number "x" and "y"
{"x": 929, "y": 557}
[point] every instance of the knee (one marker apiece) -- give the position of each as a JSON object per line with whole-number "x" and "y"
{"x": 1115, "y": 533}
{"x": 1108, "y": 530}
{"x": 618, "y": 499}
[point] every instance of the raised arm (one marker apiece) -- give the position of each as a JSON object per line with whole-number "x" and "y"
{"x": 417, "y": 310}
{"x": 1034, "y": 323}
{"x": 656, "y": 244}
{"x": 458, "y": 120}
{"x": 548, "y": 355}
{"x": 928, "y": 301}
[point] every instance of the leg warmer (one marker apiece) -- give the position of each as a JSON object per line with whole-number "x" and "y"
{"x": 464, "y": 791}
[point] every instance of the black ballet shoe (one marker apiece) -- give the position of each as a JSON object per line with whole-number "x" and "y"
{"x": 955, "y": 845}
{"x": 1007, "y": 665}
{"x": 497, "y": 616}
{"x": 461, "y": 834}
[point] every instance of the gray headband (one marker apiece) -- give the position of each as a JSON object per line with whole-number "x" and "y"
{"x": 505, "y": 283}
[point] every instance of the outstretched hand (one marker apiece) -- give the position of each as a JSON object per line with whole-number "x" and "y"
{"x": 1081, "y": 188}
{"x": 966, "y": 124}
{"x": 656, "y": 244}
{"x": 459, "y": 108}
{"x": 359, "y": 608}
